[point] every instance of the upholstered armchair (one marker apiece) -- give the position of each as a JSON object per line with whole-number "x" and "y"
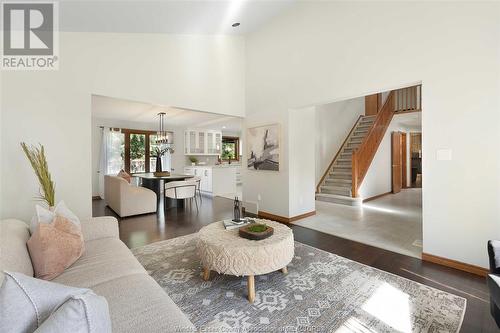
{"x": 127, "y": 200}
{"x": 494, "y": 279}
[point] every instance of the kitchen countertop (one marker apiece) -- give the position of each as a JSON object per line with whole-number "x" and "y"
{"x": 232, "y": 165}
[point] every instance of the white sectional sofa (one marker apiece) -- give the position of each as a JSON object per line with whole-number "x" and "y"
{"x": 136, "y": 302}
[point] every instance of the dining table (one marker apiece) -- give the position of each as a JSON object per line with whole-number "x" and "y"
{"x": 157, "y": 183}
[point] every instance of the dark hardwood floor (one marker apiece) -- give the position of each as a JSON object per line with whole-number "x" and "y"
{"x": 141, "y": 230}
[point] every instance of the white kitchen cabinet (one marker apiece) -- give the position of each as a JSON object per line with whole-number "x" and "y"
{"x": 205, "y": 173}
{"x": 218, "y": 143}
{"x": 214, "y": 180}
{"x": 202, "y": 142}
{"x": 239, "y": 180}
{"x": 192, "y": 141}
{"x": 214, "y": 142}
{"x": 206, "y": 180}
{"x": 224, "y": 180}
{"x": 210, "y": 142}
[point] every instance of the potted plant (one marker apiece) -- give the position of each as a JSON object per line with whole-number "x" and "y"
{"x": 158, "y": 153}
{"x": 193, "y": 160}
{"x": 38, "y": 161}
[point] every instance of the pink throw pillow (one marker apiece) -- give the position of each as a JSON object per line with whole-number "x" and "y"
{"x": 124, "y": 175}
{"x": 55, "y": 246}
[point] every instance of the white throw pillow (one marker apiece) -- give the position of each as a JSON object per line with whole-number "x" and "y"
{"x": 32, "y": 305}
{"x": 43, "y": 215}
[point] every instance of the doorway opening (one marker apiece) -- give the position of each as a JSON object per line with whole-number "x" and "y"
{"x": 416, "y": 160}
{"x": 386, "y": 210}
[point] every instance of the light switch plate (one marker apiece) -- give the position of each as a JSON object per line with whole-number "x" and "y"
{"x": 444, "y": 154}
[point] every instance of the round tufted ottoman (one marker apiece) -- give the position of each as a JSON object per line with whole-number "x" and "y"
{"x": 225, "y": 252}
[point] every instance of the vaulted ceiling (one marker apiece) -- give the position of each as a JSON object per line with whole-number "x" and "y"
{"x": 168, "y": 16}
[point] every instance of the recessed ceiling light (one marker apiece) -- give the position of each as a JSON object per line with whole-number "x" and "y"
{"x": 223, "y": 127}
{"x": 235, "y": 24}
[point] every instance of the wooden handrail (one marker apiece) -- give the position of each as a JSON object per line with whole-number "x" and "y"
{"x": 337, "y": 154}
{"x": 363, "y": 155}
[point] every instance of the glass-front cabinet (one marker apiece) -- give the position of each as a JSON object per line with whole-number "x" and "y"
{"x": 218, "y": 142}
{"x": 210, "y": 143}
{"x": 202, "y": 142}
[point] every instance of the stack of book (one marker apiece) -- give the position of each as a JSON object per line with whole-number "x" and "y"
{"x": 230, "y": 224}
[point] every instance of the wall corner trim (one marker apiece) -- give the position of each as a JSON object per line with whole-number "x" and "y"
{"x": 455, "y": 264}
{"x": 377, "y": 196}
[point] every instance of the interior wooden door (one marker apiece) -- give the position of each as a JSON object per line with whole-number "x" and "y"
{"x": 371, "y": 104}
{"x": 404, "y": 160}
{"x": 396, "y": 162}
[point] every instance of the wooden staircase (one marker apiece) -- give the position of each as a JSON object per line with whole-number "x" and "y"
{"x": 336, "y": 186}
{"x": 344, "y": 175}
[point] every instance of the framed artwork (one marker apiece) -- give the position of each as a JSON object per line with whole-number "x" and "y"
{"x": 263, "y": 147}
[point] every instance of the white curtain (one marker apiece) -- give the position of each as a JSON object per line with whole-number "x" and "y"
{"x": 166, "y": 162}
{"x": 111, "y": 160}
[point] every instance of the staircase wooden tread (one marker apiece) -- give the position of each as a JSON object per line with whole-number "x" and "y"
{"x": 336, "y": 187}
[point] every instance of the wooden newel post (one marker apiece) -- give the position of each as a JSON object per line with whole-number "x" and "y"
{"x": 354, "y": 189}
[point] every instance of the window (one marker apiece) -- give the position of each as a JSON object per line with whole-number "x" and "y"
{"x": 152, "y": 146}
{"x": 230, "y": 148}
{"x": 165, "y": 159}
{"x": 139, "y": 152}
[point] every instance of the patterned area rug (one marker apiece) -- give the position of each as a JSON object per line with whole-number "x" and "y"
{"x": 322, "y": 292}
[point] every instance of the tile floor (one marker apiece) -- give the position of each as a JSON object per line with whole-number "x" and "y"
{"x": 392, "y": 222}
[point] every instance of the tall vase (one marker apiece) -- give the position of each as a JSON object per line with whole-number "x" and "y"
{"x": 158, "y": 164}
{"x": 236, "y": 210}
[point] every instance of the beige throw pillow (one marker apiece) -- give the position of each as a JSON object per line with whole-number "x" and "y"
{"x": 124, "y": 175}
{"x": 55, "y": 246}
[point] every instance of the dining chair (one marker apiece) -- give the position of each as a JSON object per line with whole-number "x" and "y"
{"x": 197, "y": 180}
{"x": 185, "y": 189}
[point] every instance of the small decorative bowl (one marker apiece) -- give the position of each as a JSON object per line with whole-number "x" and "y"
{"x": 256, "y": 231}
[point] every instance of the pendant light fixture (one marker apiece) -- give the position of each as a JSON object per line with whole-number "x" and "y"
{"x": 163, "y": 136}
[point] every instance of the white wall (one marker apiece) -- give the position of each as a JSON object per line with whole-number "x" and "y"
{"x": 301, "y": 124}
{"x": 1, "y": 149}
{"x": 315, "y": 53}
{"x": 270, "y": 186}
{"x": 54, "y": 108}
{"x": 378, "y": 179}
{"x": 334, "y": 121}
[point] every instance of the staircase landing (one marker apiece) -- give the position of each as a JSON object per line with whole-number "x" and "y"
{"x": 339, "y": 199}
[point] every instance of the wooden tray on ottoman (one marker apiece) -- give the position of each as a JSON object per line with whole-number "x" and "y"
{"x": 252, "y": 235}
